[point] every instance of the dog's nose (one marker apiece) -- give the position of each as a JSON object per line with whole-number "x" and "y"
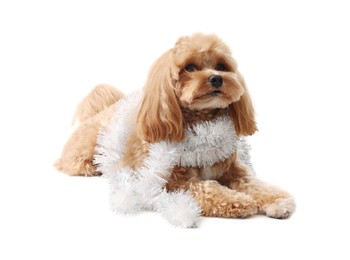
{"x": 216, "y": 81}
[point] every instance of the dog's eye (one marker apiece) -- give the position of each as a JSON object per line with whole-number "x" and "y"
{"x": 190, "y": 67}
{"x": 220, "y": 67}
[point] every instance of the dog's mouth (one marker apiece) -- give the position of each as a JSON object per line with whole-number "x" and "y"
{"x": 216, "y": 93}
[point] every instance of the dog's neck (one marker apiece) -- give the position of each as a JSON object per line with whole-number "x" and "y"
{"x": 196, "y": 116}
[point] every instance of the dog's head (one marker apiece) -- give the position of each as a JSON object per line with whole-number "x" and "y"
{"x": 199, "y": 73}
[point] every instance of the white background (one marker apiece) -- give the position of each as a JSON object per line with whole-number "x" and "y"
{"x": 295, "y": 58}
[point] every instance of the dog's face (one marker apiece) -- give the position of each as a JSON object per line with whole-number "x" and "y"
{"x": 199, "y": 73}
{"x": 207, "y": 76}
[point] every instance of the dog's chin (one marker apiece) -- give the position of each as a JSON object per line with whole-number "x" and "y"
{"x": 211, "y": 101}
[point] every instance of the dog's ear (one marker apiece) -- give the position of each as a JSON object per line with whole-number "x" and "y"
{"x": 242, "y": 112}
{"x": 160, "y": 117}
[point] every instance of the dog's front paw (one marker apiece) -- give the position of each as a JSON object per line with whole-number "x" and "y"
{"x": 282, "y": 208}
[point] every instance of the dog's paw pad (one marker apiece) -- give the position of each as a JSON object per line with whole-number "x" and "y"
{"x": 282, "y": 208}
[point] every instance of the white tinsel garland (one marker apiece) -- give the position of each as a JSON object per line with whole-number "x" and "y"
{"x": 133, "y": 190}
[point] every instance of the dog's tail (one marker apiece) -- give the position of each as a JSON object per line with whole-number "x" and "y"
{"x": 101, "y": 97}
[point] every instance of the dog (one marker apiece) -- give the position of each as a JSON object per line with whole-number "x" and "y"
{"x": 196, "y": 81}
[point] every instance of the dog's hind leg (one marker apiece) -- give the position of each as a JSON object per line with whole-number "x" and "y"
{"x": 94, "y": 112}
{"x": 101, "y": 97}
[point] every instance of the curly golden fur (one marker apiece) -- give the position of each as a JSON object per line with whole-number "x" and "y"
{"x": 195, "y": 81}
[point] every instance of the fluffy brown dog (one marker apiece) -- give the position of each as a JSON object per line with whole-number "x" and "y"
{"x": 195, "y": 81}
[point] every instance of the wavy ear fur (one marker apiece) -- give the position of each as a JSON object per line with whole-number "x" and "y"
{"x": 160, "y": 117}
{"x": 242, "y": 112}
